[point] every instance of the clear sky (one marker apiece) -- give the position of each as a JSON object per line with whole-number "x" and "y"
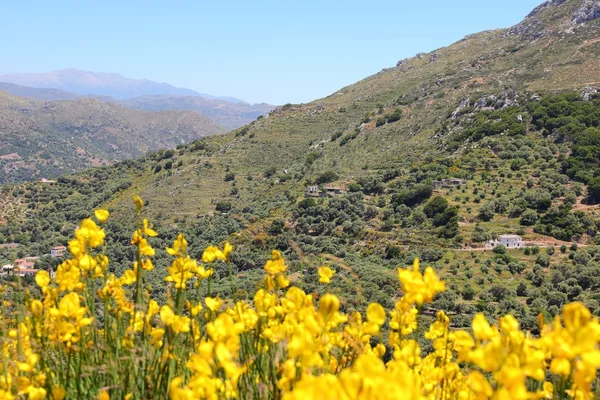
{"x": 257, "y": 50}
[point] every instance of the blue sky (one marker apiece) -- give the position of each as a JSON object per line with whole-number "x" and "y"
{"x": 256, "y": 50}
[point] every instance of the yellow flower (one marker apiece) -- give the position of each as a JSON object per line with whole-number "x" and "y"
{"x": 147, "y": 265}
{"x": 70, "y": 319}
{"x": 560, "y": 366}
{"x": 325, "y": 274}
{"x": 103, "y": 395}
{"x": 213, "y": 303}
{"x": 419, "y": 289}
{"x": 204, "y": 273}
{"x": 42, "y": 278}
{"x": 147, "y": 229}
{"x": 128, "y": 277}
{"x": 145, "y": 248}
{"x": 58, "y": 392}
{"x": 480, "y": 385}
{"x": 36, "y": 393}
{"x": 175, "y": 322}
{"x": 482, "y": 329}
{"x": 376, "y": 314}
{"x": 211, "y": 254}
{"x": 102, "y": 215}
{"x": 88, "y": 233}
{"x": 276, "y": 265}
{"x": 575, "y": 316}
{"x": 139, "y": 203}
{"x": 227, "y": 249}
{"x": 329, "y": 304}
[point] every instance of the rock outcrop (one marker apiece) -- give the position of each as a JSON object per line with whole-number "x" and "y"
{"x": 537, "y": 24}
{"x": 588, "y": 11}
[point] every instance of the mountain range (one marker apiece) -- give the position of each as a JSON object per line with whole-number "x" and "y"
{"x": 95, "y": 83}
{"x": 141, "y": 94}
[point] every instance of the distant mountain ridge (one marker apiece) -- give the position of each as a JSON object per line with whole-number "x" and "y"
{"x": 142, "y": 94}
{"x": 100, "y": 83}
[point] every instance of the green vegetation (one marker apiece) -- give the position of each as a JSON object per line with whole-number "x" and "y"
{"x": 521, "y": 144}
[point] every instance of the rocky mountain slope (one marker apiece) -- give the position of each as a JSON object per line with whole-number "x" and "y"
{"x": 45, "y": 139}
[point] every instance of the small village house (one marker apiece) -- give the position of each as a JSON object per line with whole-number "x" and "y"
{"x": 447, "y": 183}
{"x": 508, "y": 241}
{"x": 21, "y": 271}
{"x": 58, "y": 251}
{"x": 333, "y": 190}
{"x": 313, "y": 191}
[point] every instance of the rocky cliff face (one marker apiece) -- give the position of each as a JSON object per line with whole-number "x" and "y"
{"x": 557, "y": 15}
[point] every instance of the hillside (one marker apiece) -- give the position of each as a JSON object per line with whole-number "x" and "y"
{"x": 45, "y": 139}
{"x": 231, "y": 115}
{"x": 427, "y": 88}
{"x": 513, "y": 114}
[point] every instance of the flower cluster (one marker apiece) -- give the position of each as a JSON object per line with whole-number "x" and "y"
{"x": 87, "y": 333}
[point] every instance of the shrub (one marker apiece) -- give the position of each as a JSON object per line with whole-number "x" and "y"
{"x": 487, "y": 211}
{"x": 269, "y": 172}
{"x": 395, "y": 116}
{"x": 468, "y": 293}
{"x": 230, "y": 176}
{"x": 326, "y": 177}
{"x": 500, "y": 249}
{"x": 435, "y": 206}
{"x": 223, "y": 206}
{"x": 529, "y": 218}
{"x": 336, "y": 136}
{"x": 276, "y": 227}
{"x": 432, "y": 254}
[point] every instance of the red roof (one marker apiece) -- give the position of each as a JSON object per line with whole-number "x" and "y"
{"x": 25, "y": 265}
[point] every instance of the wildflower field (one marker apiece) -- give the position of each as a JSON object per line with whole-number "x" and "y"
{"x": 86, "y": 333}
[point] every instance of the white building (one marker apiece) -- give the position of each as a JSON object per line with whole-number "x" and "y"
{"x": 10, "y": 269}
{"x": 508, "y": 241}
